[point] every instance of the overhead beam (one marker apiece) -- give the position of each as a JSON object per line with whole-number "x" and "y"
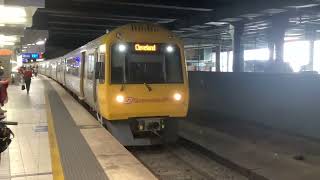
{"x": 240, "y": 8}
{"x": 80, "y": 24}
{"x": 200, "y": 5}
{"x": 159, "y": 6}
{"x": 75, "y": 13}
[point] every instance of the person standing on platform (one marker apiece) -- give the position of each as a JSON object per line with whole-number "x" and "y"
{"x": 27, "y": 75}
{"x": 3, "y": 92}
{"x": 35, "y": 71}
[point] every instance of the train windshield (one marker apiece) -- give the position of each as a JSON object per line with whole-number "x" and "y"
{"x": 145, "y": 63}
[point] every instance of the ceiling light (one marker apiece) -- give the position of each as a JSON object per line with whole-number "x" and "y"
{"x": 13, "y": 20}
{"x": 8, "y": 38}
{"x": 6, "y": 43}
{"x": 1, "y": 25}
{"x": 12, "y": 15}
{"x": 216, "y": 23}
{"x": 7, "y": 11}
{"x": 291, "y": 38}
{"x": 231, "y": 19}
{"x": 40, "y": 42}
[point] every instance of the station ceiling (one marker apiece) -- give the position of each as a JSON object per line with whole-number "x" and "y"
{"x": 72, "y": 23}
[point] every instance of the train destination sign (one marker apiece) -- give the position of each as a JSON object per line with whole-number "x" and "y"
{"x": 145, "y": 47}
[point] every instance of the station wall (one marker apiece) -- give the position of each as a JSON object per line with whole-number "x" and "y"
{"x": 289, "y": 102}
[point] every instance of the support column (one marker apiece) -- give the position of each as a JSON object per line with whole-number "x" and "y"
{"x": 311, "y": 57}
{"x": 311, "y": 36}
{"x": 218, "y": 53}
{"x": 238, "y": 51}
{"x": 277, "y": 34}
{"x": 271, "y": 50}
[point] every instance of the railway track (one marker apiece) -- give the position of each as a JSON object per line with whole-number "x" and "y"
{"x": 182, "y": 161}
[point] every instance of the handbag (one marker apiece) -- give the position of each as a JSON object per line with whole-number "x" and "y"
{"x": 23, "y": 87}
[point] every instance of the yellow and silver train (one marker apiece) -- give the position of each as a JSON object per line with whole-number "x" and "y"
{"x": 134, "y": 77}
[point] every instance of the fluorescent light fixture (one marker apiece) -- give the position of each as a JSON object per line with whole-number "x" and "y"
{"x": 12, "y": 15}
{"x": 7, "y": 40}
{"x": 9, "y": 11}
{"x": 41, "y": 42}
{"x": 5, "y": 43}
{"x": 14, "y": 20}
{"x": 216, "y": 23}
{"x": 1, "y": 25}
{"x": 294, "y": 38}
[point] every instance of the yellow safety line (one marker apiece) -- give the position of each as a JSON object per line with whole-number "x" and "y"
{"x": 57, "y": 169}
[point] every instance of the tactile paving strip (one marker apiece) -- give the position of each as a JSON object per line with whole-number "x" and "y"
{"x": 77, "y": 159}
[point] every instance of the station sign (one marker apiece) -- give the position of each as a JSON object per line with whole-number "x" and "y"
{"x": 31, "y": 57}
{"x": 26, "y": 56}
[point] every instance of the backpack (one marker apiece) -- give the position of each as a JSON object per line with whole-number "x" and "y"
{"x": 5, "y": 137}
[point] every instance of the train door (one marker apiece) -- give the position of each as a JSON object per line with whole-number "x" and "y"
{"x": 56, "y": 68}
{"x": 89, "y": 87}
{"x": 95, "y": 94}
{"x": 63, "y": 62}
{"x": 82, "y": 75}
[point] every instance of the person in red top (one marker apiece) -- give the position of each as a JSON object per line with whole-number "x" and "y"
{"x": 27, "y": 75}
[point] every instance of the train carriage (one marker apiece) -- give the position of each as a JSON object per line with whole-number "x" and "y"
{"x": 135, "y": 78}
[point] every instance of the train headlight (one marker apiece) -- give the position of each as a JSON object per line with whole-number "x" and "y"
{"x": 120, "y": 99}
{"x": 170, "y": 49}
{"x": 177, "y": 97}
{"x": 122, "y": 47}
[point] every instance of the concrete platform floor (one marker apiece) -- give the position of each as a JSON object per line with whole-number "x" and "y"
{"x": 257, "y": 151}
{"x": 29, "y": 156}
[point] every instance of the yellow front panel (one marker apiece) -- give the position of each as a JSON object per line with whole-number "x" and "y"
{"x": 139, "y": 102}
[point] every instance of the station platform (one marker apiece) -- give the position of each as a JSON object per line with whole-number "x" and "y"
{"x": 256, "y": 151}
{"x": 58, "y": 139}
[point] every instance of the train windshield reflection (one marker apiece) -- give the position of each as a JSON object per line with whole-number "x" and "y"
{"x": 130, "y": 67}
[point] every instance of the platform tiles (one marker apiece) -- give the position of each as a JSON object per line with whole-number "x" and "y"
{"x": 256, "y": 153}
{"x": 79, "y": 147}
{"x": 28, "y": 157}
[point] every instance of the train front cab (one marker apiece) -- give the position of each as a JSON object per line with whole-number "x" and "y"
{"x": 143, "y": 89}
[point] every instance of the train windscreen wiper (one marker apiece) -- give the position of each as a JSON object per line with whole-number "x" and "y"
{"x": 148, "y": 87}
{"x": 123, "y": 85}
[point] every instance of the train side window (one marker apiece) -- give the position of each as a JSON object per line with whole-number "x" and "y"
{"x": 100, "y": 68}
{"x": 73, "y": 66}
{"x": 90, "y": 67}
